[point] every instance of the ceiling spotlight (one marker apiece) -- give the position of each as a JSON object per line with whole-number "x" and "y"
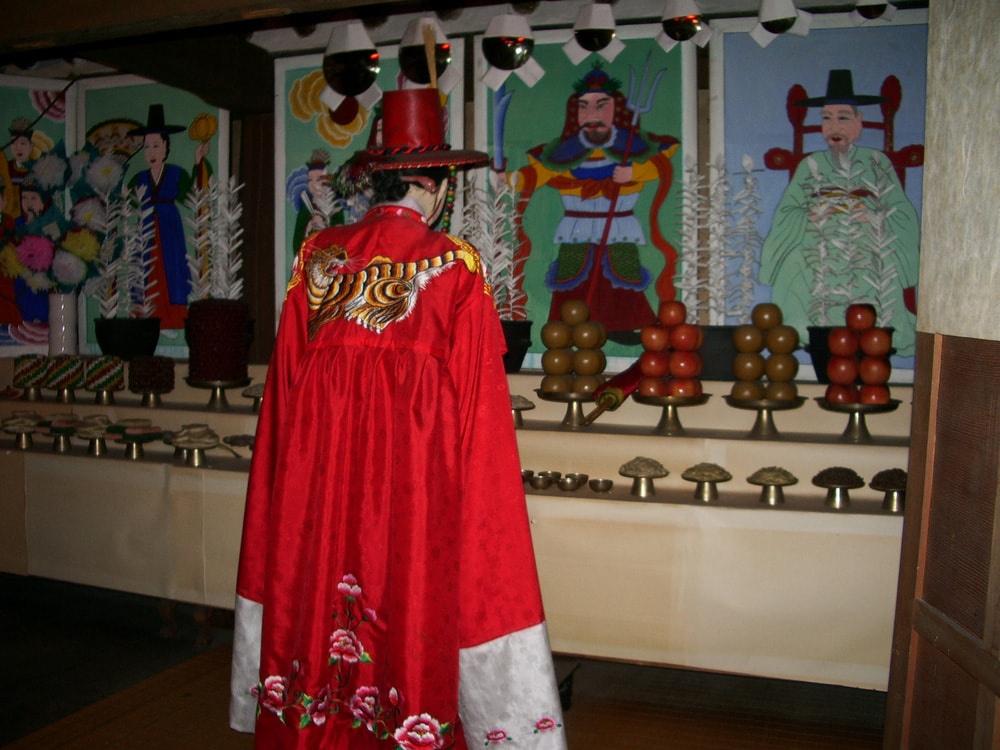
{"x": 507, "y": 46}
{"x": 871, "y": 10}
{"x": 682, "y": 21}
{"x": 593, "y": 31}
{"x": 350, "y": 67}
{"x": 777, "y": 17}
{"x": 414, "y": 53}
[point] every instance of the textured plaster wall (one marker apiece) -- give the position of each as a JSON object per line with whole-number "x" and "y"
{"x": 960, "y": 247}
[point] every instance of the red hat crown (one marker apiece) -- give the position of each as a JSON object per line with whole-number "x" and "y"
{"x": 412, "y": 120}
{"x": 413, "y": 134}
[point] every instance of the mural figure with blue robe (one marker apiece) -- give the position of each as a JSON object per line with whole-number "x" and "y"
{"x": 167, "y": 185}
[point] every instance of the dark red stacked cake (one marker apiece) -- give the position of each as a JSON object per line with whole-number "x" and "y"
{"x": 218, "y": 338}
{"x": 151, "y": 374}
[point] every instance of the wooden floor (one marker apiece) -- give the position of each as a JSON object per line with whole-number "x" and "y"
{"x": 88, "y": 669}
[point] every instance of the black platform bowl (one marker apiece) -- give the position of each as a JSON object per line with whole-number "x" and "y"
{"x": 127, "y": 337}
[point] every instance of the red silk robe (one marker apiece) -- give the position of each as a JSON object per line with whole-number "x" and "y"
{"x": 387, "y": 593}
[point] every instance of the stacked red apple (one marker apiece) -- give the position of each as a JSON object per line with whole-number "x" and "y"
{"x": 670, "y": 363}
{"x": 859, "y": 367}
{"x": 573, "y": 361}
{"x": 764, "y": 350}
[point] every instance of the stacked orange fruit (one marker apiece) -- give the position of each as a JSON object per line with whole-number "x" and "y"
{"x": 765, "y": 364}
{"x": 574, "y": 360}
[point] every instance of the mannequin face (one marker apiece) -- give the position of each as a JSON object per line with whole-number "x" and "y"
{"x": 431, "y": 202}
{"x": 439, "y": 198}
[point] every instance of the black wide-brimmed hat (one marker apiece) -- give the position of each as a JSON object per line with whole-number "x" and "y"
{"x": 156, "y": 123}
{"x": 840, "y": 90}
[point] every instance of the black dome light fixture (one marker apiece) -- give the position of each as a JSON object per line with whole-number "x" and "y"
{"x": 777, "y": 17}
{"x": 682, "y": 21}
{"x": 872, "y": 10}
{"x": 593, "y": 31}
{"x": 413, "y": 55}
{"x": 507, "y": 46}
{"x": 350, "y": 67}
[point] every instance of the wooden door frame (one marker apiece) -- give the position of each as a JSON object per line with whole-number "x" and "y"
{"x": 915, "y": 617}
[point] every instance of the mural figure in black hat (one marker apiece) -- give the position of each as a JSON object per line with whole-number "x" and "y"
{"x": 844, "y": 230}
{"x": 167, "y": 185}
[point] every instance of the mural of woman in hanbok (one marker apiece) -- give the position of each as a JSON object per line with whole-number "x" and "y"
{"x": 167, "y": 185}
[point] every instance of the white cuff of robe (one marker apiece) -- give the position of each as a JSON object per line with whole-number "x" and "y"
{"x": 246, "y": 664}
{"x": 508, "y": 685}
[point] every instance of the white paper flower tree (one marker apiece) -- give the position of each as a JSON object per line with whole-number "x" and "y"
{"x": 720, "y": 243}
{"x": 124, "y": 287}
{"x": 216, "y": 234}
{"x": 489, "y": 222}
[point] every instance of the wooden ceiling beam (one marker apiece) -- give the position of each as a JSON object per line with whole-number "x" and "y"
{"x": 224, "y": 70}
{"x": 41, "y": 25}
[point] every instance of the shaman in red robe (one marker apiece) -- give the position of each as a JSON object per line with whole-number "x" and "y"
{"x": 387, "y": 591}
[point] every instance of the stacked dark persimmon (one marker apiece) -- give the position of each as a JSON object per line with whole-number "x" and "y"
{"x": 573, "y": 361}
{"x": 859, "y": 368}
{"x": 765, "y": 364}
{"x": 670, "y": 362}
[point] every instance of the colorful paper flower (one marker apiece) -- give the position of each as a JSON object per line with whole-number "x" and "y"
{"x": 81, "y": 242}
{"x": 104, "y": 174}
{"x": 68, "y": 270}
{"x": 50, "y": 172}
{"x": 91, "y": 212}
{"x": 36, "y": 252}
{"x": 10, "y": 263}
{"x": 37, "y": 281}
{"x": 78, "y": 164}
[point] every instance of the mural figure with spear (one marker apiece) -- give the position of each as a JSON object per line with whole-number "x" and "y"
{"x": 600, "y": 165}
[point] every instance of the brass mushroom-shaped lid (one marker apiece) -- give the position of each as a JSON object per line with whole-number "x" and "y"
{"x": 519, "y": 403}
{"x": 705, "y": 472}
{"x": 253, "y": 391}
{"x": 771, "y": 480}
{"x": 772, "y": 476}
{"x": 642, "y": 467}
{"x": 889, "y": 480}
{"x": 706, "y": 476}
{"x": 892, "y": 482}
{"x": 239, "y": 441}
{"x": 643, "y": 471}
{"x": 838, "y": 476}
